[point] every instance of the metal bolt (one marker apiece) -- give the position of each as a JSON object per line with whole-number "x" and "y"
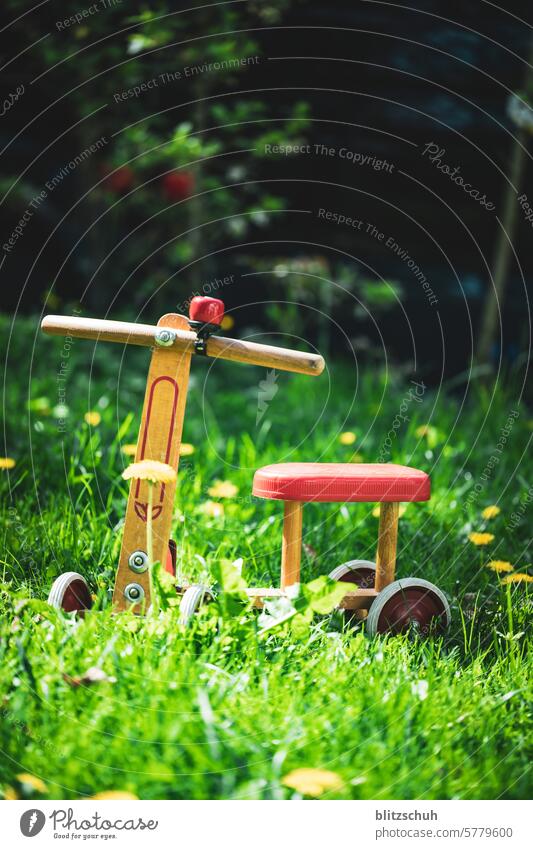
{"x": 134, "y": 593}
{"x": 138, "y": 561}
{"x": 165, "y": 337}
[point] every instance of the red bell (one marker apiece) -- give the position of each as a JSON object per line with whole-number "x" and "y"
{"x": 206, "y": 310}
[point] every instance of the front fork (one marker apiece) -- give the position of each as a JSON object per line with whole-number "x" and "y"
{"x": 159, "y": 439}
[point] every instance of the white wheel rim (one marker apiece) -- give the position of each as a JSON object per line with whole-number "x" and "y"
{"x": 386, "y": 594}
{"x": 350, "y": 566}
{"x": 192, "y": 601}
{"x": 60, "y": 586}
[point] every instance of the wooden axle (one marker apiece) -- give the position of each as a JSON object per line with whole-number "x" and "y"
{"x": 129, "y": 333}
{"x": 352, "y": 600}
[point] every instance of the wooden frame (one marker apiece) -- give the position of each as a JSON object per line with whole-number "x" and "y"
{"x": 387, "y": 543}
{"x": 159, "y": 439}
{"x": 291, "y": 554}
{"x": 161, "y": 429}
{"x": 291, "y": 546}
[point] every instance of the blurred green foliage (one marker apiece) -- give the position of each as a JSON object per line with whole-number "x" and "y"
{"x": 185, "y": 132}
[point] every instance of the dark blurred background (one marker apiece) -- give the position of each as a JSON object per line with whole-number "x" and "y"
{"x": 181, "y": 191}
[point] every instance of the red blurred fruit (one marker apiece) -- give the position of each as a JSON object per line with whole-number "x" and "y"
{"x": 120, "y": 180}
{"x": 178, "y": 185}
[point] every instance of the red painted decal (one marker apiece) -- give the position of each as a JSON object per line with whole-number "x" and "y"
{"x": 141, "y": 507}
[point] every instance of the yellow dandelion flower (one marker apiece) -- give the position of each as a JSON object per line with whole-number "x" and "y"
{"x": 500, "y": 565}
{"x": 347, "y": 438}
{"x": 115, "y": 794}
{"x": 32, "y": 781}
{"x": 10, "y": 794}
{"x": 227, "y": 322}
{"x": 480, "y": 539}
{"x": 312, "y": 782}
{"x": 93, "y": 418}
{"x": 401, "y": 510}
{"x": 518, "y": 578}
{"x": 490, "y": 512}
{"x": 6, "y": 462}
{"x": 186, "y": 449}
{"x": 213, "y": 509}
{"x": 40, "y": 405}
{"x": 429, "y": 432}
{"x": 130, "y": 449}
{"x": 150, "y": 470}
{"x": 223, "y": 489}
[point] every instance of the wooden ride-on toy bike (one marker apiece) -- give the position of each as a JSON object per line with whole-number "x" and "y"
{"x": 392, "y": 605}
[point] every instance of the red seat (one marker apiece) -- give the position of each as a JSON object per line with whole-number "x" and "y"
{"x": 341, "y": 482}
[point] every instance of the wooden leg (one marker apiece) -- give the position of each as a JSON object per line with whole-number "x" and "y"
{"x": 387, "y": 540}
{"x": 291, "y": 549}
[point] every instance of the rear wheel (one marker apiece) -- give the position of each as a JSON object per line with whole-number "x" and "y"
{"x": 70, "y": 592}
{"x": 192, "y": 600}
{"x": 410, "y": 604}
{"x": 362, "y": 573}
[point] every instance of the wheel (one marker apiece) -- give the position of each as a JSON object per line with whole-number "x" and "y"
{"x": 192, "y": 600}
{"x": 410, "y": 603}
{"x": 362, "y": 573}
{"x": 70, "y": 592}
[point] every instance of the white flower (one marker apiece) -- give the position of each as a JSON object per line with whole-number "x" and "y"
{"x": 420, "y": 689}
{"x": 293, "y": 591}
{"x": 238, "y": 564}
{"x": 237, "y": 226}
{"x": 520, "y": 112}
{"x": 275, "y": 611}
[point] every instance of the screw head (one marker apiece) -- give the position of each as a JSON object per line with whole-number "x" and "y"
{"x": 134, "y": 593}
{"x": 165, "y": 337}
{"x": 138, "y": 561}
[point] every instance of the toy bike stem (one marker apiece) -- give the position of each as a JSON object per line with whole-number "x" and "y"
{"x": 130, "y": 333}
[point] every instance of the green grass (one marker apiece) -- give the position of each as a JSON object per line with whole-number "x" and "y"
{"x": 220, "y": 711}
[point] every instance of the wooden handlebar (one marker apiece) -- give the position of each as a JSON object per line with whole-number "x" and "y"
{"x": 236, "y": 350}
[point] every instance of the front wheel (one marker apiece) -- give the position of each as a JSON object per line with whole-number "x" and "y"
{"x": 410, "y": 604}
{"x": 192, "y": 600}
{"x": 70, "y": 593}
